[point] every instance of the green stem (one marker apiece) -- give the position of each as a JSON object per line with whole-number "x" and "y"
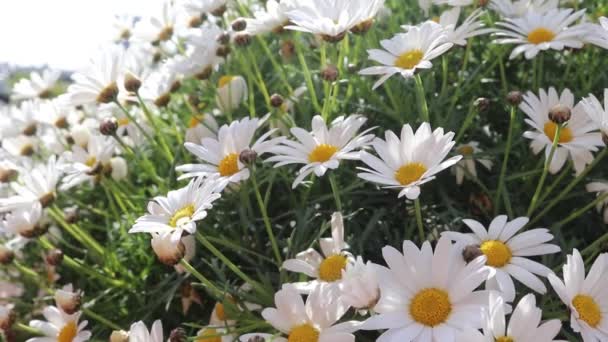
{"x": 208, "y": 284}
{"x": 262, "y": 205}
{"x": 592, "y": 248}
{"x": 78, "y": 233}
{"x": 159, "y": 134}
{"x": 541, "y": 182}
{"x": 505, "y": 161}
{"x": 308, "y": 78}
{"x": 424, "y": 109}
{"x": 579, "y": 212}
{"x": 335, "y": 190}
{"x": 419, "y": 220}
{"x": 100, "y": 319}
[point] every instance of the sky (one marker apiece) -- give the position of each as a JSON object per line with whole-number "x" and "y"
{"x": 60, "y": 33}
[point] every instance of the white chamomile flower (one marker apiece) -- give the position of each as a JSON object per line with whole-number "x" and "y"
{"x": 467, "y": 165}
{"x": 506, "y": 252}
{"x": 326, "y": 268}
{"x": 179, "y": 211}
{"x": 159, "y": 85}
{"x": 87, "y": 165}
{"x": 68, "y": 299}
{"x": 271, "y": 19}
{"x": 471, "y": 27}
{"x": 139, "y": 333}
{"x": 576, "y": 140}
{"x": 324, "y": 147}
{"x": 598, "y": 33}
{"x": 360, "y": 288}
{"x": 597, "y": 112}
{"x": 221, "y": 156}
{"x": 405, "y": 53}
{"x": 312, "y": 321}
{"x": 409, "y": 162}
{"x": 122, "y": 27}
{"x": 60, "y": 327}
{"x": 519, "y": 8}
{"x": 428, "y": 296}
{"x": 38, "y": 85}
{"x": 231, "y": 92}
{"x": 201, "y": 127}
{"x": 97, "y": 84}
{"x": 524, "y": 325}
{"x": 20, "y": 145}
{"x": 156, "y": 29}
{"x": 213, "y": 7}
{"x": 168, "y": 250}
{"x": 331, "y": 19}
{"x": 24, "y": 221}
{"x": 601, "y": 188}
{"x": 536, "y": 32}
{"x": 586, "y": 297}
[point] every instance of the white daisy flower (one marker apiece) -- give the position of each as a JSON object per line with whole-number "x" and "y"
{"x": 405, "y": 53}
{"x": 24, "y": 221}
{"x": 68, "y": 299}
{"x": 221, "y": 156}
{"x": 157, "y": 29}
{"x": 536, "y": 32}
{"x": 586, "y": 297}
{"x": 468, "y": 163}
{"x": 201, "y": 57}
{"x": 271, "y": 19}
{"x": 159, "y": 85}
{"x": 519, "y": 8}
{"x": 369, "y": 10}
{"x": 181, "y": 209}
{"x": 576, "y": 140}
{"x": 213, "y": 7}
{"x": 314, "y": 320}
{"x": 455, "y": 3}
{"x": 601, "y": 188}
{"x": 139, "y": 333}
{"x": 231, "y": 92}
{"x": 87, "y": 165}
{"x": 360, "y": 288}
{"x": 598, "y": 33}
{"x": 20, "y": 145}
{"x": 60, "y": 326}
{"x": 409, "y": 162}
{"x": 471, "y": 27}
{"x": 38, "y": 85}
{"x": 524, "y": 325}
{"x": 169, "y": 251}
{"x": 326, "y": 268}
{"x": 122, "y": 27}
{"x": 97, "y": 84}
{"x": 596, "y": 112}
{"x": 506, "y": 252}
{"x": 428, "y": 296}
{"x": 323, "y": 148}
{"x": 201, "y": 127}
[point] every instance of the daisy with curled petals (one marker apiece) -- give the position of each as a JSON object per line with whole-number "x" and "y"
{"x": 39, "y": 85}
{"x": 471, "y": 27}
{"x": 405, "y": 53}
{"x": 409, "y": 162}
{"x": 90, "y": 163}
{"x": 586, "y": 297}
{"x": 221, "y": 156}
{"x": 326, "y": 268}
{"x": 601, "y": 188}
{"x": 60, "y": 327}
{"x": 25, "y": 222}
{"x": 272, "y": 19}
{"x": 360, "y": 285}
{"x": 536, "y": 32}
{"x": 313, "y": 321}
{"x": 331, "y": 19}
{"x": 524, "y": 325}
{"x": 468, "y": 163}
{"x": 324, "y": 147}
{"x": 518, "y": 8}
{"x": 156, "y": 29}
{"x": 506, "y": 252}
{"x": 178, "y": 212}
{"x": 576, "y": 139}
{"x": 139, "y": 333}
{"x": 428, "y": 296}
{"x": 597, "y": 112}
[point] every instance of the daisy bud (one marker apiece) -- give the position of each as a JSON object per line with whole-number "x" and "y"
{"x": 218, "y": 12}
{"x": 30, "y": 130}
{"x": 248, "y": 157}
{"x": 108, "y": 126}
{"x": 7, "y": 175}
{"x": 7, "y": 317}
{"x": 165, "y": 34}
{"x": 223, "y": 51}
{"x": 223, "y": 38}
{"x": 36, "y": 231}
{"x": 54, "y": 257}
{"x": 132, "y": 83}
{"x": 560, "y": 114}
{"x": 119, "y": 336}
{"x": 482, "y": 104}
{"x": 334, "y": 39}
{"x": 46, "y": 199}
{"x": 471, "y": 252}
{"x": 483, "y": 3}
{"x": 329, "y": 73}
{"x": 108, "y": 94}
{"x": 178, "y": 335}
{"x": 515, "y": 97}
{"x": 242, "y": 39}
{"x": 480, "y": 204}
{"x": 70, "y": 215}
{"x": 163, "y": 100}
{"x": 362, "y": 27}
{"x": 6, "y": 255}
{"x": 197, "y": 21}
{"x": 118, "y": 168}
{"x": 352, "y": 68}
{"x": 239, "y": 24}
{"x": 167, "y": 251}
{"x": 68, "y": 300}
{"x": 288, "y": 49}
{"x": 231, "y": 92}
{"x": 276, "y": 100}
{"x": 203, "y": 75}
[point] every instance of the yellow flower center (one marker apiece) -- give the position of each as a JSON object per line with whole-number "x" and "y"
{"x": 540, "y": 35}
{"x": 91, "y": 161}
{"x": 565, "y": 135}
{"x": 322, "y": 153}
{"x": 504, "y": 339}
{"x": 431, "y": 307}
{"x": 587, "y": 309}
{"x": 193, "y": 122}
{"x": 331, "y": 268}
{"x": 466, "y": 150}
{"x": 410, "y": 59}
{"x": 303, "y": 333}
{"x": 123, "y": 121}
{"x": 185, "y": 212}
{"x": 68, "y": 332}
{"x": 229, "y": 165}
{"x": 209, "y": 335}
{"x": 410, "y": 173}
{"x": 497, "y": 253}
{"x": 224, "y": 80}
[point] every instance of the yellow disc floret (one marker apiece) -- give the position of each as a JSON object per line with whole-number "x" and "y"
{"x": 331, "y": 268}
{"x": 565, "y": 134}
{"x": 209, "y": 335}
{"x": 587, "y": 309}
{"x": 229, "y": 165}
{"x": 430, "y": 307}
{"x": 303, "y": 333}
{"x": 185, "y": 212}
{"x": 410, "y": 173}
{"x": 409, "y": 59}
{"x": 322, "y": 153}
{"x": 540, "y": 35}
{"x": 497, "y": 253}
{"x": 68, "y": 332}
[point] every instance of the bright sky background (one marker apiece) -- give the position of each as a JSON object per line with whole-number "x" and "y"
{"x": 60, "y": 33}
